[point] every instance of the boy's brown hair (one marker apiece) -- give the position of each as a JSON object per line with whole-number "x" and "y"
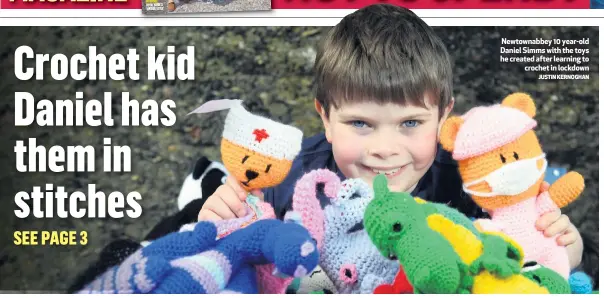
{"x": 382, "y": 53}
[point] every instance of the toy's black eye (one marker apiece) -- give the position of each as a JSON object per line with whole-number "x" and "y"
{"x": 502, "y": 158}
{"x": 516, "y": 155}
{"x": 245, "y": 158}
{"x": 267, "y": 168}
{"x": 223, "y": 180}
{"x": 537, "y": 278}
{"x": 397, "y": 227}
{"x": 529, "y": 264}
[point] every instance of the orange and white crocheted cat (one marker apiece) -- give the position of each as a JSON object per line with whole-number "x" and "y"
{"x": 502, "y": 166}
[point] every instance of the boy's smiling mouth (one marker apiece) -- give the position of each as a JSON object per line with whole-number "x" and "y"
{"x": 389, "y": 172}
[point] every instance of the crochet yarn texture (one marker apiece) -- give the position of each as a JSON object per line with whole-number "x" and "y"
{"x": 439, "y": 255}
{"x": 348, "y": 256}
{"x": 547, "y": 278}
{"x": 194, "y": 262}
{"x": 317, "y": 282}
{"x": 502, "y": 166}
{"x": 258, "y": 152}
{"x": 400, "y": 285}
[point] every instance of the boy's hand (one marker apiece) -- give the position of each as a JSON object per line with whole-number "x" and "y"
{"x": 555, "y": 223}
{"x": 225, "y": 203}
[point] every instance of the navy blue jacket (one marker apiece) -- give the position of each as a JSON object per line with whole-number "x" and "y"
{"x": 442, "y": 183}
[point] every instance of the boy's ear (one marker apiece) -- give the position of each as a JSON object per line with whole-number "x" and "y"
{"x": 449, "y": 131}
{"x": 324, "y": 119}
{"x": 522, "y": 102}
{"x": 445, "y": 114}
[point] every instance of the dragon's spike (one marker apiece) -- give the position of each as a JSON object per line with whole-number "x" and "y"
{"x": 380, "y": 186}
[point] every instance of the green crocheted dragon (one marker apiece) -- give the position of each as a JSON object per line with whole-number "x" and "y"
{"x": 442, "y": 252}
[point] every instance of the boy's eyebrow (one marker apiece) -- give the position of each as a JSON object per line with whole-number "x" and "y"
{"x": 418, "y": 115}
{"x": 359, "y": 116}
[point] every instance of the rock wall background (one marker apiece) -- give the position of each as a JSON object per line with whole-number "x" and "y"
{"x": 271, "y": 68}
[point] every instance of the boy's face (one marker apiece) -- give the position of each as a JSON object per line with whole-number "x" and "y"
{"x": 370, "y": 138}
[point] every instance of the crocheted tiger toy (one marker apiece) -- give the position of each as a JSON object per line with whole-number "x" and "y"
{"x": 438, "y": 255}
{"x": 195, "y": 262}
{"x": 502, "y": 166}
{"x": 348, "y": 257}
{"x": 259, "y": 153}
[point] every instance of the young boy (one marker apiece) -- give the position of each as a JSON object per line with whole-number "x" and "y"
{"x": 384, "y": 89}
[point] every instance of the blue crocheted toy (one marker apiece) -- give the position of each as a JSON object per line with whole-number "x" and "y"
{"x": 195, "y": 262}
{"x": 580, "y": 283}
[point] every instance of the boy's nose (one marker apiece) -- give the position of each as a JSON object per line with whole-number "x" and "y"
{"x": 383, "y": 151}
{"x": 383, "y": 144}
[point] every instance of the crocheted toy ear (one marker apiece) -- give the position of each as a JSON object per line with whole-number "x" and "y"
{"x": 351, "y": 189}
{"x": 215, "y": 105}
{"x": 306, "y": 203}
{"x": 449, "y": 131}
{"x": 522, "y": 102}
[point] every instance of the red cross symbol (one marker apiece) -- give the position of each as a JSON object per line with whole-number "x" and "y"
{"x": 260, "y": 134}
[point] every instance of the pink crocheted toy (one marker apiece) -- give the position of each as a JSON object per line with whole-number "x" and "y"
{"x": 347, "y": 255}
{"x": 502, "y": 166}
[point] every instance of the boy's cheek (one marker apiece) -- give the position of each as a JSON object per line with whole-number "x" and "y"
{"x": 424, "y": 149}
{"x": 346, "y": 150}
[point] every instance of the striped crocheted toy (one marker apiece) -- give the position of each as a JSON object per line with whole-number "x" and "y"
{"x": 502, "y": 166}
{"x": 195, "y": 262}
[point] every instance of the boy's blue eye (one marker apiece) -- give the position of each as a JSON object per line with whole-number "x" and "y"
{"x": 410, "y": 123}
{"x": 358, "y": 123}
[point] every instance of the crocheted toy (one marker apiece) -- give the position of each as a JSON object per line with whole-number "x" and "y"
{"x": 400, "y": 285}
{"x": 502, "y": 166}
{"x": 439, "y": 255}
{"x": 195, "y": 262}
{"x": 348, "y": 256}
{"x": 206, "y": 177}
{"x": 203, "y": 181}
{"x": 259, "y": 153}
{"x": 547, "y": 278}
{"x": 580, "y": 283}
{"x": 317, "y": 282}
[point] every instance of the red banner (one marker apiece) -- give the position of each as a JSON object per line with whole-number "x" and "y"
{"x": 71, "y": 4}
{"x": 316, "y": 4}
{"x": 434, "y": 4}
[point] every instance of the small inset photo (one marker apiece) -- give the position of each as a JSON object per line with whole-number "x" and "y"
{"x": 597, "y": 4}
{"x": 200, "y": 6}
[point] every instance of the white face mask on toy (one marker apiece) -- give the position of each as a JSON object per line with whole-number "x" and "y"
{"x": 511, "y": 179}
